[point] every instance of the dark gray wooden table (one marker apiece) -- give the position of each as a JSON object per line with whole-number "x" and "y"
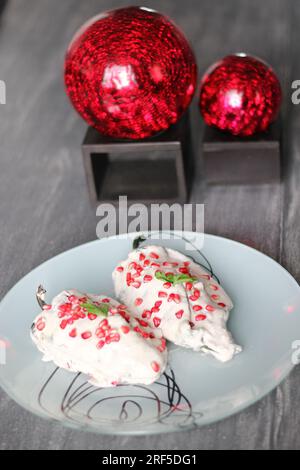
{"x": 44, "y": 206}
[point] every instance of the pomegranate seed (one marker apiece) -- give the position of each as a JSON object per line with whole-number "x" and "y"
{"x": 136, "y": 284}
{"x": 122, "y": 307}
{"x": 142, "y": 256}
{"x": 167, "y": 285}
{"x": 125, "y": 329}
{"x": 100, "y": 344}
{"x": 169, "y": 274}
{"x": 154, "y": 255}
{"x": 81, "y": 315}
{"x": 193, "y": 298}
{"x": 113, "y": 310}
{"x": 183, "y": 270}
{"x": 137, "y": 329}
{"x": 210, "y": 308}
{"x": 155, "y": 366}
{"x": 175, "y": 298}
{"x": 40, "y": 325}
{"x": 156, "y": 322}
{"x": 158, "y": 303}
{"x": 122, "y": 313}
{"x": 47, "y": 307}
{"x": 146, "y": 262}
{"x": 132, "y": 265}
{"x": 120, "y": 269}
{"x": 222, "y": 305}
{"x": 155, "y": 265}
{"x": 214, "y": 287}
{"x": 179, "y": 314}
{"x": 145, "y": 335}
{"x": 205, "y": 276}
{"x": 143, "y": 323}
{"x": 115, "y": 338}
{"x": 167, "y": 264}
{"x": 148, "y": 278}
{"x": 163, "y": 344}
{"x": 105, "y": 300}
{"x": 162, "y": 294}
{"x": 75, "y": 316}
{"x": 187, "y": 263}
{"x": 146, "y": 314}
{"x": 92, "y": 316}
{"x": 197, "y": 293}
{"x": 61, "y": 314}
{"x": 200, "y": 317}
{"x": 138, "y": 301}
{"x": 100, "y": 333}
{"x": 72, "y": 298}
{"x": 73, "y": 333}
{"x": 83, "y": 300}
{"x": 188, "y": 286}
{"x": 70, "y": 321}
{"x": 151, "y": 335}
{"x": 104, "y": 323}
{"x": 196, "y": 308}
{"x": 86, "y": 335}
{"x": 215, "y": 297}
{"x": 155, "y": 309}
{"x": 63, "y": 324}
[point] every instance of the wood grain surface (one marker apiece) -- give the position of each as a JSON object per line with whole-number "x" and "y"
{"x": 44, "y": 205}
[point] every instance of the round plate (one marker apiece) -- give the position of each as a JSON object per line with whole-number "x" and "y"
{"x": 196, "y": 389}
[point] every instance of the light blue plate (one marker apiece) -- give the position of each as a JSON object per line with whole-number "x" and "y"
{"x": 195, "y": 390}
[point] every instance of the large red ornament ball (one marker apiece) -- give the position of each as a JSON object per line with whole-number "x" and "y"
{"x": 130, "y": 73}
{"x": 240, "y": 94}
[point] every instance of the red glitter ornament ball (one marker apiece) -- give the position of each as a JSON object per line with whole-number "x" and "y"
{"x": 130, "y": 73}
{"x": 240, "y": 94}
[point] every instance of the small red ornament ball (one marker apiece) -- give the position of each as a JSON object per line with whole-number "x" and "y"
{"x": 240, "y": 94}
{"x": 130, "y": 73}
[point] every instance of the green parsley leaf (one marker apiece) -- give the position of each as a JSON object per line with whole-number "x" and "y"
{"x": 101, "y": 309}
{"x": 174, "y": 278}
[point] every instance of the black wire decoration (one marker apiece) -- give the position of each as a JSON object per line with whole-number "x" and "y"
{"x": 83, "y": 403}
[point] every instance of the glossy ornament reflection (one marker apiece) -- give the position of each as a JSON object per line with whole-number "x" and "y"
{"x": 130, "y": 73}
{"x": 240, "y": 94}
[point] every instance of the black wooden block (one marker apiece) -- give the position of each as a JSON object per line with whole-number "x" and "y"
{"x": 242, "y": 160}
{"x": 157, "y": 169}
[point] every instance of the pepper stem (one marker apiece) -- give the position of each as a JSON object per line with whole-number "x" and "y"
{"x": 40, "y": 296}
